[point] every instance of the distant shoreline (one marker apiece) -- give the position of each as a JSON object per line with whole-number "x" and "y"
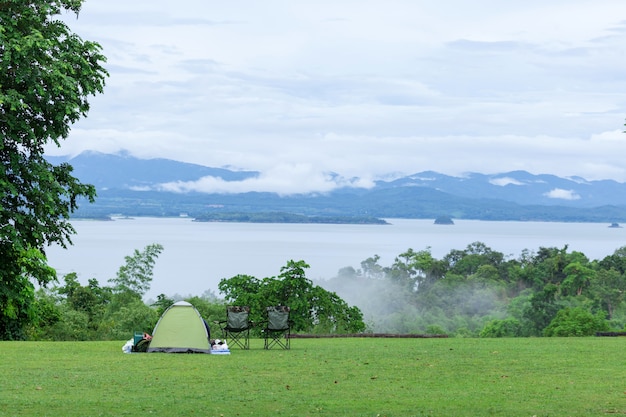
{"x": 258, "y": 218}
{"x": 280, "y": 217}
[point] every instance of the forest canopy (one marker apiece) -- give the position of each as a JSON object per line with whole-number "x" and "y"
{"x": 477, "y": 291}
{"x": 471, "y": 292}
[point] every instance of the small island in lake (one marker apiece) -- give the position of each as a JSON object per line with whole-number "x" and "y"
{"x": 615, "y": 226}
{"x": 444, "y": 220}
{"x": 280, "y": 217}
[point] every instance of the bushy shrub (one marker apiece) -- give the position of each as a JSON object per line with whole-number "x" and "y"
{"x": 435, "y": 329}
{"x": 576, "y": 322}
{"x": 73, "y": 326}
{"x": 126, "y": 320}
{"x": 464, "y": 332}
{"x": 502, "y": 328}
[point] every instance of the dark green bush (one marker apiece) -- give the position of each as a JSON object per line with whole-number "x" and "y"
{"x": 576, "y": 322}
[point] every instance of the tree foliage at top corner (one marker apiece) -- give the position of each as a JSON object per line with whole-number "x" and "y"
{"x": 47, "y": 74}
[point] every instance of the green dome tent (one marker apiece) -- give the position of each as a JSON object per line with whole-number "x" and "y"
{"x": 180, "y": 329}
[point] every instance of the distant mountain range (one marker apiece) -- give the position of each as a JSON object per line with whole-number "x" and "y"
{"x": 130, "y": 186}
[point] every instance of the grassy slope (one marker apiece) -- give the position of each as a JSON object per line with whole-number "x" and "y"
{"x": 331, "y": 377}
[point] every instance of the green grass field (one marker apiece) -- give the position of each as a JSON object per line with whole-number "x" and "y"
{"x": 321, "y": 377}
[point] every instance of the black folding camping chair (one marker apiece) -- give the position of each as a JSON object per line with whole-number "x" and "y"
{"x": 236, "y": 327}
{"x": 277, "y": 330}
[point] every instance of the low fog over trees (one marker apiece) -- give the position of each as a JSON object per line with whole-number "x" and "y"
{"x": 479, "y": 292}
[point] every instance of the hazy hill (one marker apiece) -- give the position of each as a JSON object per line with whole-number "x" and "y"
{"x": 129, "y": 185}
{"x": 122, "y": 171}
{"x": 521, "y": 187}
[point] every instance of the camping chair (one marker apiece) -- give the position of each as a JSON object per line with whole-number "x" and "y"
{"x": 277, "y": 329}
{"x": 236, "y": 327}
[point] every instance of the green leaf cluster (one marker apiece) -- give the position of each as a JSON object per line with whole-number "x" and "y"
{"x": 47, "y": 74}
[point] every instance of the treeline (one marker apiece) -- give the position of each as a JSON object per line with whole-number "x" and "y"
{"x": 474, "y": 292}
{"x": 478, "y": 291}
{"x": 72, "y": 311}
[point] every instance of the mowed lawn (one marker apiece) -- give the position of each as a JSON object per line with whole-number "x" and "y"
{"x": 328, "y": 377}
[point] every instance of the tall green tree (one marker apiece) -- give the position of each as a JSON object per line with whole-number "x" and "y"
{"x": 133, "y": 279}
{"x": 577, "y": 278}
{"x": 47, "y": 74}
{"x": 90, "y": 299}
{"x": 475, "y": 255}
{"x": 127, "y": 312}
{"x": 312, "y": 307}
{"x": 416, "y": 271}
{"x": 609, "y": 288}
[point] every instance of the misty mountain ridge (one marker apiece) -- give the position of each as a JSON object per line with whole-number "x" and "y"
{"x": 517, "y": 195}
{"x": 123, "y": 171}
{"x": 520, "y": 187}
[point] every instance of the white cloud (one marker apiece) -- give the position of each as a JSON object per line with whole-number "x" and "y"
{"x": 561, "y": 194}
{"x": 502, "y": 181}
{"x": 610, "y": 136}
{"x": 283, "y": 179}
{"x": 361, "y": 88}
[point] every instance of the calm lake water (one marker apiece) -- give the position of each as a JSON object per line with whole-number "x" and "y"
{"x": 197, "y": 255}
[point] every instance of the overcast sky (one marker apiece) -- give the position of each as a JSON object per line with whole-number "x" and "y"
{"x": 367, "y": 89}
